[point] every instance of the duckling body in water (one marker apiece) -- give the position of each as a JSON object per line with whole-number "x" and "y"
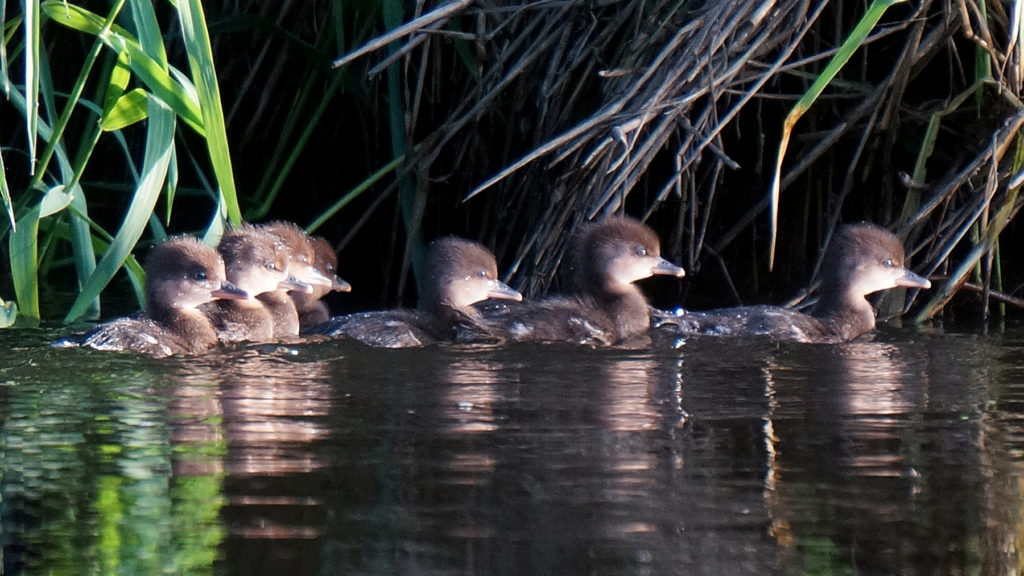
{"x": 310, "y": 306}
{"x": 605, "y": 306}
{"x": 862, "y": 259}
{"x": 181, "y": 275}
{"x": 458, "y": 273}
{"x": 301, "y": 257}
{"x": 256, "y": 262}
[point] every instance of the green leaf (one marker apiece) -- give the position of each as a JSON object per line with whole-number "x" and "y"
{"x": 200, "y": 59}
{"x": 54, "y": 200}
{"x": 8, "y": 313}
{"x": 5, "y": 78}
{"x": 119, "y": 77}
{"x": 24, "y": 247}
{"x": 5, "y": 192}
{"x": 82, "y": 246}
{"x": 149, "y": 70}
{"x": 159, "y": 146}
{"x": 159, "y": 81}
{"x": 77, "y": 18}
{"x": 839, "y": 59}
{"x": 129, "y": 109}
{"x": 32, "y": 79}
{"x": 151, "y": 39}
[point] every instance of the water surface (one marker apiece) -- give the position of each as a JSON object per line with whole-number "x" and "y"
{"x": 898, "y": 454}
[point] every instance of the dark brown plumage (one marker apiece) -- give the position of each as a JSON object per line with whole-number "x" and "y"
{"x": 257, "y": 262}
{"x": 605, "y": 306}
{"x": 312, "y": 310}
{"x": 458, "y": 273}
{"x": 181, "y": 275}
{"x": 861, "y": 259}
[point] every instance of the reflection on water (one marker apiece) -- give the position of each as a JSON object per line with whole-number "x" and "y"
{"x": 705, "y": 456}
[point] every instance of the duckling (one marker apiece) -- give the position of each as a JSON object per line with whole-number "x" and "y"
{"x": 605, "y": 306}
{"x": 458, "y": 273}
{"x": 257, "y": 263}
{"x": 181, "y": 275}
{"x": 312, "y": 310}
{"x": 862, "y": 259}
{"x": 301, "y": 257}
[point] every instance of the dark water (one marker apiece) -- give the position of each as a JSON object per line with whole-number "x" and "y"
{"x": 901, "y": 455}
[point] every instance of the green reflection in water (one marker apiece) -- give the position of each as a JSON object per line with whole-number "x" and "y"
{"x": 822, "y": 556}
{"x": 91, "y": 482}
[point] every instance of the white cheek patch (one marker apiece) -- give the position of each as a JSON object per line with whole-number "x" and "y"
{"x": 876, "y": 278}
{"x": 467, "y": 291}
{"x": 258, "y": 282}
{"x": 187, "y": 298}
{"x": 627, "y": 269}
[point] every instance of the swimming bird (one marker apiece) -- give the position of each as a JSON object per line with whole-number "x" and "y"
{"x": 457, "y": 274}
{"x": 256, "y": 262}
{"x": 310, "y": 306}
{"x": 181, "y": 275}
{"x": 301, "y": 264}
{"x": 862, "y": 259}
{"x": 605, "y": 306}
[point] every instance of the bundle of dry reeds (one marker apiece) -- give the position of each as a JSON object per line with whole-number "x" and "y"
{"x": 674, "y": 111}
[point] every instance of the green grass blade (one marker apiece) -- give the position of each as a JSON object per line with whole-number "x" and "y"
{"x": 32, "y": 79}
{"x": 120, "y": 74}
{"x": 200, "y": 59}
{"x": 5, "y": 76}
{"x": 215, "y": 229}
{"x": 5, "y": 192}
{"x": 74, "y": 97}
{"x": 129, "y": 109}
{"x": 354, "y": 193}
{"x": 147, "y": 68}
{"x": 82, "y": 247}
{"x": 842, "y": 56}
{"x": 159, "y": 144}
{"x": 24, "y": 250}
{"x": 172, "y": 186}
{"x": 148, "y": 29}
{"x": 411, "y": 198}
{"x": 5, "y": 84}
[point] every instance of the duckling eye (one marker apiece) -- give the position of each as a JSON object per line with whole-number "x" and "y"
{"x": 271, "y": 266}
{"x": 639, "y": 250}
{"x": 481, "y": 273}
{"x": 199, "y": 274}
{"x": 888, "y": 263}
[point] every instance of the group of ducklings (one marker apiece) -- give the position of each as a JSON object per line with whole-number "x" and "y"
{"x": 264, "y": 283}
